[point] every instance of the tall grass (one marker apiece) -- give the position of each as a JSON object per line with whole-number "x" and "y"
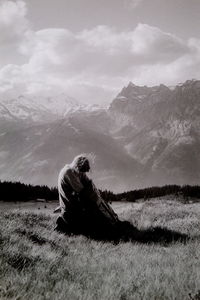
{"x": 38, "y": 263}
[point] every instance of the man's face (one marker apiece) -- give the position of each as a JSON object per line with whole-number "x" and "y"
{"x": 85, "y": 167}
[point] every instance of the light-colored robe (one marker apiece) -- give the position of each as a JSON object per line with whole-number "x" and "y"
{"x": 71, "y": 183}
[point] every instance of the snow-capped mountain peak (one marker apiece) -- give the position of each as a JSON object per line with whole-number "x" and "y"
{"x": 38, "y": 108}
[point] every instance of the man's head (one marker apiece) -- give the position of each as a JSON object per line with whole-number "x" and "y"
{"x": 81, "y": 163}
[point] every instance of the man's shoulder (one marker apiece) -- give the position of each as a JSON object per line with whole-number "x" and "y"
{"x": 64, "y": 170}
{"x": 67, "y": 170}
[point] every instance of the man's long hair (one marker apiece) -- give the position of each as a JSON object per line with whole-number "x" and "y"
{"x": 79, "y": 161}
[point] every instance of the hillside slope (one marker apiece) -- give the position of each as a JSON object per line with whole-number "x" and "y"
{"x": 37, "y": 263}
{"x": 148, "y": 136}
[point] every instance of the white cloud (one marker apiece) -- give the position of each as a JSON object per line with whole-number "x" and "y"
{"x": 13, "y": 23}
{"x": 14, "y": 30}
{"x": 92, "y": 64}
{"x": 152, "y": 44}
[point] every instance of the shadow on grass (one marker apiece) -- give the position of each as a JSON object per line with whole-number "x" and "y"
{"x": 156, "y": 235}
{"x": 19, "y": 261}
{"x": 126, "y": 232}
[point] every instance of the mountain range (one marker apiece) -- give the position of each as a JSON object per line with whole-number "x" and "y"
{"x": 147, "y": 136}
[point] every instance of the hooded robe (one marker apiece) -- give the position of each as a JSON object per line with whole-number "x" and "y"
{"x": 82, "y": 206}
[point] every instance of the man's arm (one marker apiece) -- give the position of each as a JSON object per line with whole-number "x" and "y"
{"x": 91, "y": 195}
{"x": 74, "y": 180}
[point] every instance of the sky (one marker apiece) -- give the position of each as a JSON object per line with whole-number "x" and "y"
{"x": 90, "y": 49}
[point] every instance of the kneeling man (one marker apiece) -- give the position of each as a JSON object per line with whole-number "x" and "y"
{"x": 82, "y": 208}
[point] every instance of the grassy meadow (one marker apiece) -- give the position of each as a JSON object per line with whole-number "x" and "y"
{"x": 38, "y": 263}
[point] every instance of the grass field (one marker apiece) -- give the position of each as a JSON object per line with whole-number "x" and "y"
{"x": 38, "y": 263}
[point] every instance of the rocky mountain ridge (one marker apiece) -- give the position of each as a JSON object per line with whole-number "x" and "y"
{"x": 161, "y": 131}
{"x": 148, "y": 136}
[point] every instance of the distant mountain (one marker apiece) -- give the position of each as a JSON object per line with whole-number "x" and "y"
{"x": 159, "y": 127}
{"x": 32, "y": 109}
{"x": 39, "y": 136}
{"x": 148, "y": 136}
{"x": 37, "y": 153}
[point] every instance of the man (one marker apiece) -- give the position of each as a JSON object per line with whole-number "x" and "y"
{"x": 82, "y": 208}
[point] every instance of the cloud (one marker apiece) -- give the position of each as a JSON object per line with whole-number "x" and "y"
{"x": 13, "y": 23}
{"x": 152, "y": 44}
{"x": 92, "y": 64}
{"x": 14, "y": 30}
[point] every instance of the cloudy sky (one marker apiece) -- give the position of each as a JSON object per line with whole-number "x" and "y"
{"x": 90, "y": 49}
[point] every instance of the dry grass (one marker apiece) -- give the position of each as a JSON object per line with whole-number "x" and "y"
{"x": 37, "y": 263}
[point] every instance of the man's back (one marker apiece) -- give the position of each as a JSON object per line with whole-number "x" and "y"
{"x": 69, "y": 184}
{"x": 81, "y": 203}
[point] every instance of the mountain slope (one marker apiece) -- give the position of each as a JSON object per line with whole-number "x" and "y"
{"x": 161, "y": 131}
{"x": 148, "y": 136}
{"x": 36, "y": 154}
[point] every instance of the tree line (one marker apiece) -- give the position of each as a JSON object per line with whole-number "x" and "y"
{"x": 185, "y": 191}
{"x": 17, "y": 191}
